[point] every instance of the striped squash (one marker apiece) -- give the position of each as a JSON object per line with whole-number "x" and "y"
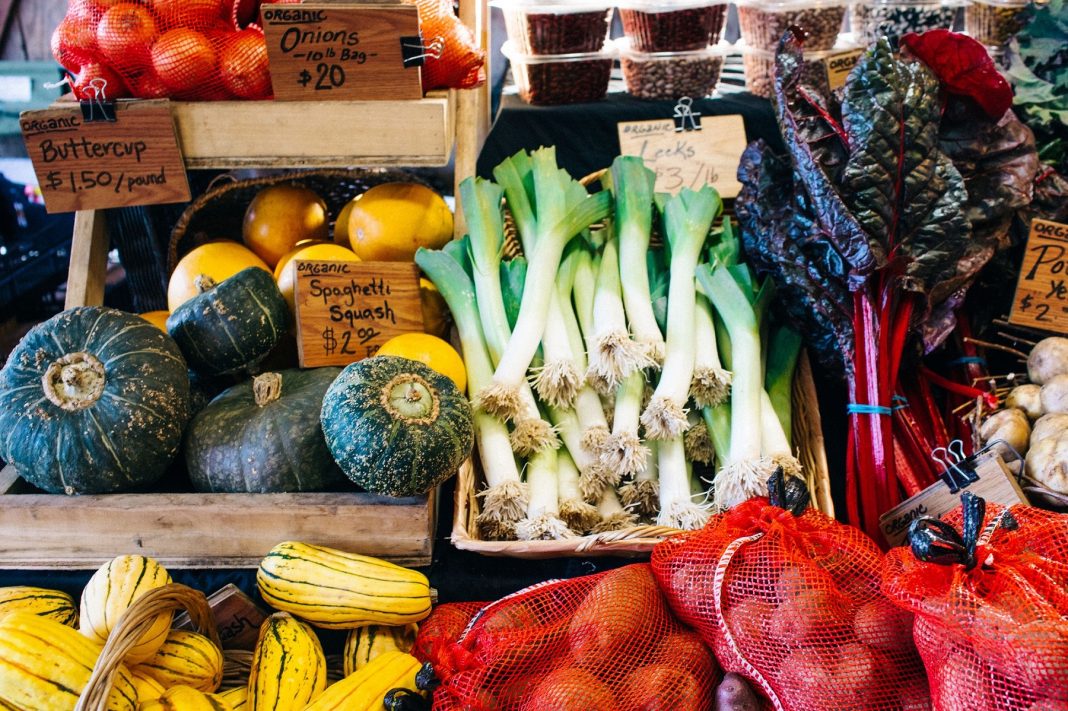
{"x": 337, "y": 590}
{"x": 45, "y": 665}
{"x": 186, "y": 698}
{"x": 148, "y": 689}
{"x": 365, "y": 643}
{"x": 288, "y": 666}
{"x": 366, "y": 689}
{"x": 112, "y": 590}
{"x": 53, "y": 604}
{"x": 186, "y": 659}
{"x": 237, "y": 698}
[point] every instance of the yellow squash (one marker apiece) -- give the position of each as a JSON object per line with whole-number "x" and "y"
{"x": 236, "y": 697}
{"x": 53, "y": 604}
{"x": 365, "y": 690}
{"x": 364, "y": 644}
{"x": 148, "y": 689}
{"x": 337, "y": 590}
{"x": 186, "y": 698}
{"x": 186, "y": 659}
{"x": 288, "y": 666}
{"x": 45, "y": 665}
{"x": 157, "y": 319}
{"x": 112, "y": 590}
{"x": 213, "y": 262}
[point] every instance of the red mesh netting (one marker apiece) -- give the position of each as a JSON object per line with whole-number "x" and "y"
{"x": 182, "y": 49}
{"x": 994, "y": 637}
{"x": 605, "y": 642}
{"x": 800, "y": 614}
{"x": 444, "y": 626}
{"x": 459, "y": 61}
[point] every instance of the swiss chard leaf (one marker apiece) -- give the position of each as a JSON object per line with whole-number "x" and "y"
{"x": 963, "y": 66}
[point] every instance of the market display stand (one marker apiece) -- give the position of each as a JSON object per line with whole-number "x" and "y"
{"x": 194, "y": 530}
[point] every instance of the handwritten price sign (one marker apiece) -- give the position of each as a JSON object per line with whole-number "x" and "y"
{"x": 688, "y": 159}
{"x": 347, "y": 310}
{"x": 343, "y": 52}
{"x": 1041, "y": 299}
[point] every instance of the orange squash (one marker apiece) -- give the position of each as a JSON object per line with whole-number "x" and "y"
{"x": 391, "y": 221}
{"x": 217, "y": 261}
{"x": 159, "y": 318}
{"x": 282, "y": 216}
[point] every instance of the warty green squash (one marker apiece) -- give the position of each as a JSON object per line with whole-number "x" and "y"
{"x": 395, "y": 426}
{"x": 231, "y": 325}
{"x": 263, "y": 436}
{"x": 93, "y": 401}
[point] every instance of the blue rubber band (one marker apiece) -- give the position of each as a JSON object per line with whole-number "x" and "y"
{"x": 966, "y": 360}
{"x": 902, "y": 401}
{"x": 854, "y": 408}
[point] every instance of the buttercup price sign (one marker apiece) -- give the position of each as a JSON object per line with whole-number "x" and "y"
{"x": 343, "y": 52}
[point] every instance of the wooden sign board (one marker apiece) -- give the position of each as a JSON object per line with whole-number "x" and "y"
{"x": 839, "y": 65}
{"x": 347, "y": 310}
{"x": 134, "y": 160}
{"x": 1041, "y": 299}
{"x": 688, "y": 159}
{"x": 996, "y": 484}
{"x": 237, "y": 618}
{"x": 343, "y": 52}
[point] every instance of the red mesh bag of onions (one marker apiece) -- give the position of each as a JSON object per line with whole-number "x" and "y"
{"x": 444, "y": 626}
{"x": 180, "y": 49}
{"x": 606, "y": 642}
{"x": 991, "y": 605}
{"x": 789, "y": 598}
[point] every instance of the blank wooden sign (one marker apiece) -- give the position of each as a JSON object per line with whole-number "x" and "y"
{"x": 347, "y": 310}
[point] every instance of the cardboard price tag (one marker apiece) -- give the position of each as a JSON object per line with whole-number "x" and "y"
{"x": 237, "y": 618}
{"x": 134, "y": 160}
{"x": 347, "y": 310}
{"x": 343, "y": 52}
{"x": 1041, "y": 299}
{"x": 688, "y": 159}
{"x": 839, "y": 65}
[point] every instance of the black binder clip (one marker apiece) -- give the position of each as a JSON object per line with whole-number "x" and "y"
{"x": 686, "y": 119}
{"x": 97, "y": 108}
{"x": 414, "y": 52}
{"x": 959, "y": 470}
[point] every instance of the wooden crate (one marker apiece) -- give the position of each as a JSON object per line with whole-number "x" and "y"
{"x": 204, "y": 530}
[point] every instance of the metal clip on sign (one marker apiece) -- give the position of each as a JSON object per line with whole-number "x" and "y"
{"x": 686, "y": 119}
{"x": 960, "y": 471}
{"x": 414, "y": 52}
{"x": 98, "y": 108}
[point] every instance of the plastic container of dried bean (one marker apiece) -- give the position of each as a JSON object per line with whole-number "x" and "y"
{"x": 823, "y": 69}
{"x": 763, "y": 22}
{"x": 672, "y": 25}
{"x": 994, "y": 22}
{"x": 872, "y": 19}
{"x": 670, "y": 75}
{"x": 556, "y": 27}
{"x": 563, "y": 78}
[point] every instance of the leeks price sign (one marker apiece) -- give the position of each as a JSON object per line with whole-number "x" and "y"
{"x": 1041, "y": 299}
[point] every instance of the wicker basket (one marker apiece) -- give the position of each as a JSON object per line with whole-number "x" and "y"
{"x": 220, "y": 211}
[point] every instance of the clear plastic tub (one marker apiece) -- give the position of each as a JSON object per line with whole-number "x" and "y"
{"x": 759, "y": 66}
{"x": 762, "y": 24}
{"x": 872, "y": 19}
{"x": 994, "y": 22}
{"x": 672, "y": 25}
{"x": 670, "y": 75}
{"x": 561, "y": 79}
{"x": 560, "y": 27}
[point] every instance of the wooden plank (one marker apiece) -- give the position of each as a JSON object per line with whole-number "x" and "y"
{"x": 88, "y": 260}
{"x": 472, "y": 108}
{"x": 44, "y": 531}
{"x": 247, "y": 134}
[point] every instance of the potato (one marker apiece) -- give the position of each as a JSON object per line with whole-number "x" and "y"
{"x": 751, "y": 621}
{"x": 734, "y": 694}
{"x": 805, "y": 674}
{"x": 882, "y": 625}
{"x": 1026, "y": 398}
{"x": 1054, "y": 394}
{"x": 685, "y": 650}
{"x": 1048, "y": 426}
{"x": 855, "y": 677}
{"x": 1047, "y": 360}
{"x": 1039, "y": 658}
{"x": 916, "y": 696}
{"x": 1048, "y": 705}
{"x": 570, "y": 689}
{"x": 658, "y": 687}
{"x": 1011, "y": 426}
{"x": 811, "y": 616}
{"x": 613, "y": 615}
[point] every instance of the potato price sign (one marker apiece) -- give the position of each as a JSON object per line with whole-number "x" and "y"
{"x": 347, "y": 310}
{"x": 82, "y": 165}
{"x": 1041, "y": 299}
{"x": 343, "y": 52}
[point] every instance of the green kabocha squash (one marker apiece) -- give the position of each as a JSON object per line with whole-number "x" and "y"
{"x": 395, "y": 426}
{"x": 263, "y": 436}
{"x": 92, "y": 401}
{"x": 231, "y": 325}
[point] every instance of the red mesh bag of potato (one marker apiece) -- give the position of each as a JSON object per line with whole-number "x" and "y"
{"x": 444, "y": 626}
{"x": 454, "y": 59}
{"x": 181, "y": 49}
{"x": 990, "y": 603}
{"x": 605, "y": 642}
{"x": 789, "y": 598}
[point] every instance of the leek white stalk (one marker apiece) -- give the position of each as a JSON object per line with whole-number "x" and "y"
{"x": 613, "y": 355}
{"x": 574, "y": 511}
{"x": 632, "y": 184}
{"x": 593, "y": 476}
{"x": 697, "y": 441}
{"x": 642, "y": 495}
{"x": 677, "y": 507}
{"x": 688, "y": 217}
{"x": 624, "y": 450}
{"x": 711, "y": 382}
{"x": 558, "y": 379}
{"x": 543, "y": 511}
{"x": 504, "y": 499}
{"x": 773, "y": 443}
{"x": 613, "y": 516}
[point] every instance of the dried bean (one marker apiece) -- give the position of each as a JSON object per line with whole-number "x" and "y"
{"x": 659, "y": 78}
{"x": 763, "y": 28}
{"x": 760, "y": 72}
{"x": 992, "y": 24}
{"x": 557, "y": 33}
{"x": 673, "y": 30}
{"x": 569, "y": 82}
{"x": 871, "y": 22}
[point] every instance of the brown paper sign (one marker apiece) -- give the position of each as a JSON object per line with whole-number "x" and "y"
{"x": 839, "y": 65}
{"x": 688, "y": 159}
{"x": 347, "y": 310}
{"x": 237, "y": 618}
{"x": 81, "y": 165}
{"x": 1041, "y": 299}
{"x": 343, "y": 52}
